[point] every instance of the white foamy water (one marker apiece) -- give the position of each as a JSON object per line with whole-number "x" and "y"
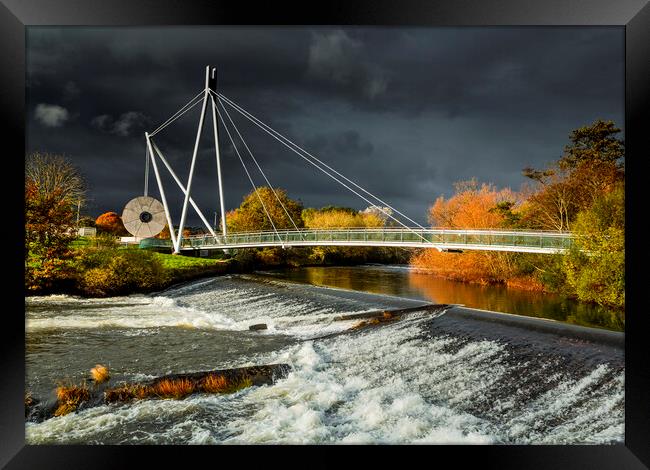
{"x": 394, "y": 384}
{"x": 222, "y": 308}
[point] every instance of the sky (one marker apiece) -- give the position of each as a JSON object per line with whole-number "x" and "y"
{"x": 403, "y": 112}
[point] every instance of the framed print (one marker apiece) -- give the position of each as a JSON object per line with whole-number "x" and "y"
{"x": 357, "y": 227}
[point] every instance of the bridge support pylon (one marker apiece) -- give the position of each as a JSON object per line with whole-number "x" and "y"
{"x": 209, "y": 93}
{"x": 212, "y": 86}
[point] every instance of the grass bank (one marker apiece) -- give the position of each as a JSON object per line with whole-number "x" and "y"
{"x": 112, "y": 271}
{"x": 99, "y": 267}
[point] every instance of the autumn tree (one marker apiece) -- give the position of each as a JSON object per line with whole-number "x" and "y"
{"x": 54, "y": 175}
{"x": 340, "y": 218}
{"x": 591, "y": 165}
{"x": 554, "y": 205}
{"x": 251, "y": 215}
{"x": 383, "y": 213}
{"x": 474, "y": 205}
{"x": 111, "y": 222}
{"x": 53, "y": 188}
{"x": 331, "y": 217}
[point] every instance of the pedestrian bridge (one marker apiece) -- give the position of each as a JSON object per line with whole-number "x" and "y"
{"x": 399, "y": 231}
{"x": 440, "y": 239}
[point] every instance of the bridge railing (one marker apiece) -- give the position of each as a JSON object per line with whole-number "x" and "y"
{"x": 516, "y": 238}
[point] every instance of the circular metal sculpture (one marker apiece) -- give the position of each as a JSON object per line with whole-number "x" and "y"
{"x": 144, "y": 217}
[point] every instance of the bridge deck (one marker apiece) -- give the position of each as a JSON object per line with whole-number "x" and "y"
{"x": 441, "y": 239}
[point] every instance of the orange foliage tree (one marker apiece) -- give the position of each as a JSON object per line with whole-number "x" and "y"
{"x": 53, "y": 188}
{"x": 110, "y": 222}
{"x": 475, "y": 206}
{"x": 472, "y": 206}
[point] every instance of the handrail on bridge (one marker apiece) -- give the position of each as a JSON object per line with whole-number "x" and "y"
{"x": 472, "y": 231}
{"x": 441, "y": 238}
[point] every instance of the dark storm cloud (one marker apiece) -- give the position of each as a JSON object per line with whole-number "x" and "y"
{"x": 122, "y": 126}
{"x": 337, "y": 59}
{"x": 404, "y": 112}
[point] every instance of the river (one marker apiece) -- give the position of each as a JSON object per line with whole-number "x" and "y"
{"x": 403, "y": 281}
{"x": 424, "y": 379}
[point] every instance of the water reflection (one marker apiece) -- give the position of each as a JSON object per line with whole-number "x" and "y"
{"x": 404, "y": 282}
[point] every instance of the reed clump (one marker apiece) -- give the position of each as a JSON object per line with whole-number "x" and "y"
{"x": 215, "y": 383}
{"x": 69, "y": 397}
{"x": 364, "y": 323}
{"x": 125, "y": 392}
{"x": 172, "y": 388}
{"x": 176, "y": 388}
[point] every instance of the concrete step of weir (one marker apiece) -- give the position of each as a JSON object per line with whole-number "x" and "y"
{"x": 398, "y": 311}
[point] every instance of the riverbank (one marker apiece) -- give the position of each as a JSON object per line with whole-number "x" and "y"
{"x": 543, "y": 273}
{"x": 107, "y": 271}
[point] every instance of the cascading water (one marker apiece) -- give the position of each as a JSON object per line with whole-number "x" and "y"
{"x": 421, "y": 380}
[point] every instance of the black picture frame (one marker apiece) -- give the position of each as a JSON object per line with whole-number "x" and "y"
{"x": 633, "y": 15}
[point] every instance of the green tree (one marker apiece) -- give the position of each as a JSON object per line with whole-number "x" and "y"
{"x": 597, "y": 274}
{"x": 596, "y": 143}
{"x": 251, "y": 215}
{"x": 510, "y": 218}
{"x": 86, "y": 221}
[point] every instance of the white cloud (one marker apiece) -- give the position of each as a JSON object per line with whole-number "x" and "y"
{"x": 51, "y": 115}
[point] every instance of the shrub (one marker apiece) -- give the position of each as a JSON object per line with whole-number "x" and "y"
{"x": 44, "y": 275}
{"x": 104, "y": 240}
{"x": 115, "y": 272}
{"x": 599, "y": 276}
{"x": 110, "y": 222}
